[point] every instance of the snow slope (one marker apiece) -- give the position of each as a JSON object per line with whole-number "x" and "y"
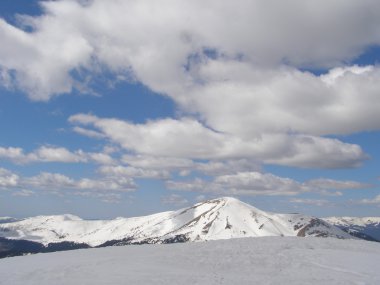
{"x": 369, "y": 226}
{"x": 268, "y": 260}
{"x": 222, "y": 218}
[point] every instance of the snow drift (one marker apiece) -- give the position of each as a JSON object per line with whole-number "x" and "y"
{"x": 267, "y": 260}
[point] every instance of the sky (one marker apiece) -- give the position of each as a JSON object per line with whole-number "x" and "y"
{"x": 125, "y": 108}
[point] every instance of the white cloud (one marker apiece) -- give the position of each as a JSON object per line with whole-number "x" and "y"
{"x": 256, "y": 183}
{"x": 57, "y": 182}
{"x": 50, "y": 180}
{"x": 174, "y": 199}
{"x": 375, "y": 201}
{"x": 100, "y": 158}
{"x": 245, "y": 99}
{"x": 223, "y": 167}
{"x": 53, "y": 154}
{"x": 24, "y": 193}
{"x": 157, "y": 162}
{"x": 122, "y": 171}
{"x": 318, "y": 152}
{"x": 124, "y": 184}
{"x": 260, "y": 94}
{"x": 242, "y": 81}
{"x": 186, "y": 166}
{"x": 184, "y": 138}
{"x": 245, "y": 183}
{"x": 238, "y": 98}
{"x": 114, "y": 180}
{"x": 189, "y": 139}
{"x": 131, "y": 35}
{"x": 12, "y": 153}
{"x": 88, "y": 133}
{"x": 8, "y": 179}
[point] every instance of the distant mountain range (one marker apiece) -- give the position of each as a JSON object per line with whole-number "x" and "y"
{"x": 4, "y": 220}
{"x": 367, "y": 228}
{"x": 222, "y": 218}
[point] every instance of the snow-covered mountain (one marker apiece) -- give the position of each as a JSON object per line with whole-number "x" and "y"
{"x": 367, "y": 227}
{"x": 4, "y": 220}
{"x": 222, "y": 218}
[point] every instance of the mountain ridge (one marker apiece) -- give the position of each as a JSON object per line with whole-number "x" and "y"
{"x": 363, "y": 227}
{"x": 221, "y": 218}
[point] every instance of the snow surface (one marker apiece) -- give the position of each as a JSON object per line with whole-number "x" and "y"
{"x": 222, "y": 218}
{"x": 268, "y": 260}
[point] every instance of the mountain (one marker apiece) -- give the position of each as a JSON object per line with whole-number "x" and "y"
{"x": 222, "y": 218}
{"x": 366, "y": 228}
{"x": 4, "y": 220}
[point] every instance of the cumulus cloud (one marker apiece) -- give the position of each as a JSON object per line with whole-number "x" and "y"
{"x": 8, "y": 179}
{"x": 251, "y": 85}
{"x": 49, "y": 154}
{"x": 174, "y": 199}
{"x": 123, "y": 171}
{"x": 185, "y": 166}
{"x": 257, "y": 183}
{"x": 157, "y": 162}
{"x": 106, "y": 188}
{"x": 239, "y": 98}
{"x": 88, "y": 133}
{"x": 373, "y": 201}
{"x": 317, "y": 152}
{"x": 53, "y": 154}
{"x": 223, "y": 167}
{"x": 187, "y": 138}
{"x": 57, "y": 181}
{"x": 50, "y": 180}
{"x": 130, "y": 35}
{"x": 184, "y": 138}
{"x": 242, "y": 91}
{"x": 242, "y": 87}
{"x": 12, "y": 153}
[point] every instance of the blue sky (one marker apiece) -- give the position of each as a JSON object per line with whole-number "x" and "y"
{"x": 126, "y": 108}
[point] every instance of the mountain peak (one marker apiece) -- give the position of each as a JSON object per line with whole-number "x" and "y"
{"x": 225, "y": 199}
{"x": 220, "y": 218}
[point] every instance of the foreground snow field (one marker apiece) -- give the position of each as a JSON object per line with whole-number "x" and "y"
{"x": 267, "y": 260}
